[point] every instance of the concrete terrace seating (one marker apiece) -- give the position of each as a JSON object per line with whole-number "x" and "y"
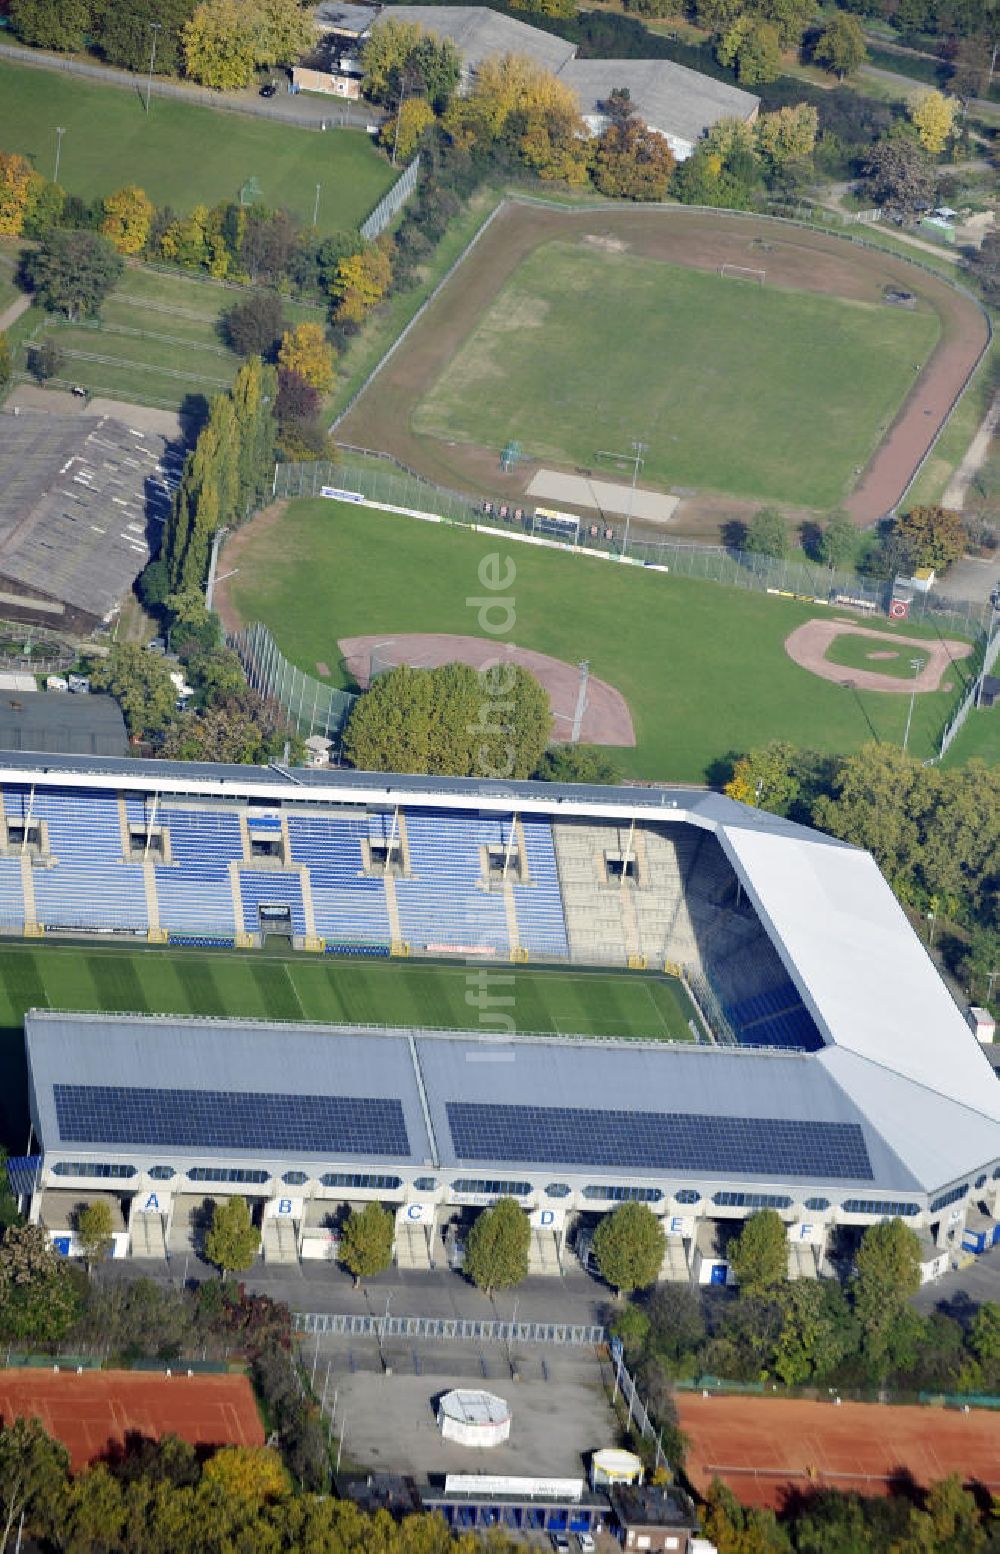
{"x": 444, "y": 901}
{"x": 348, "y": 906}
{"x": 11, "y": 897}
{"x": 87, "y": 883}
{"x": 776, "y": 1018}
{"x": 540, "y": 922}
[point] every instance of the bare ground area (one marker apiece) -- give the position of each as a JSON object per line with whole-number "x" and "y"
{"x": 229, "y": 562}
{"x": 808, "y": 644}
{"x": 794, "y": 257}
{"x": 606, "y": 718}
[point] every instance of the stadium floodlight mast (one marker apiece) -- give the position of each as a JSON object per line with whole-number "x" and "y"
{"x": 637, "y": 459}
{"x": 154, "y": 28}
{"x": 916, "y": 664}
{"x": 60, "y": 132}
{"x": 316, "y": 205}
{"x": 994, "y": 619}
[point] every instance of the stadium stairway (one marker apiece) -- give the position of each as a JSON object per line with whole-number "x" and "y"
{"x": 277, "y": 1241}
{"x": 146, "y": 1236}
{"x": 543, "y": 1253}
{"x": 664, "y": 924}
{"x": 674, "y": 1267}
{"x": 412, "y": 1250}
{"x": 801, "y": 1261}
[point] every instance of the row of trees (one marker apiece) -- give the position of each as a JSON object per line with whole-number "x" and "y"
{"x": 925, "y": 536}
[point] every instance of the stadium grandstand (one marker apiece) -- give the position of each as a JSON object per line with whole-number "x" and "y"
{"x": 833, "y": 1077}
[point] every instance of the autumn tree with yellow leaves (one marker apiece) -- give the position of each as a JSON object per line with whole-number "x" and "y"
{"x": 18, "y": 183}
{"x": 361, "y": 281}
{"x": 127, "y": 217}
{"x": 306, "y": 351}
{"x": 933, "y": 117}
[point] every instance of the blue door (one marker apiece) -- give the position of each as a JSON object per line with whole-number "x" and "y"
{"x": 718, "y": 1273}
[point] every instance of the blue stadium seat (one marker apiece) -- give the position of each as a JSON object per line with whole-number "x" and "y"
{"x": 445, "y": 902}
{"x": 349, "y": 906}
{"x": 88, "y": 884}
{"x": 540, "y": 920}
{"x": 275, "y": 888}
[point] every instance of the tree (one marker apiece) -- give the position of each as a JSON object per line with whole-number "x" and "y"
{"x": 232, "y": 1240}
{"x": 46, "y": 360}
{"x": 18, "y": 182}
{"x": 632, "y": 162}
{"x": 628, "y": 1246}
{"x": 141, "y": 685}
{"x": 220, "y": 44}
{"x": 632, "y": 1326}
{"x": 94, "y": 1231}
{"x": 766, "y": 778}
{"x": 240, "y": 728}
{"x": 39, "y": 1296}
{"x": 971, "y": 68}
{"x": 504, "y": 85}
{"x": 788, "y": 135}
{"x": 122, "y": 36}
{"x": 887, "y": 1269}
{"x": 496, "y": 1250}
{"x": 577, "y": 763}
{"x": 948, "y": 1522}
{"x": 360, "y": 281}
{"x": 254, "y": 326}
{"x": 934, "y": 536}
{"x": 816, "y": 1330}
{"x": 984, "y": 264}
{"x": 897, "y": 174}
{"x": 384, "y": 54}
{"x": 253, "y": 1475}
{"x": 6, "y": 361}
{"x": 33, "y": 1471}
{"x": 254, "y": 393}
{"x": 984, "y": 1334}
{"x": 737, "y": 1529}
{"x": 404, "y": 130}
{"x": 51, "y": 24}
{"x": 759, "y": 1254}
{"x": 753, "y": 49}
{"x": 840, "y": 47}
{"x": 767, "y": 533}
{"x": 282, "y": 31}
{"x": 838, "y": 546}
{"x": 307, "y": 352}
{"x": 72, "y": 272}
{"x": 559, "y": 8}
{"x": 933, "y": 117}
{"x": 552, "y": 141}
{"x": 127, "y": 217}
{"x": 366, "y": 1243}
{"x": 451, "y": 721}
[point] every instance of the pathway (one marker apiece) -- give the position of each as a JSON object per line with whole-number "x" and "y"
{"x": 10, "y": 315}
{"x": 957, "y": 488}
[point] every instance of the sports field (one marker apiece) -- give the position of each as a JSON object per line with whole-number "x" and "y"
{"x": 157, "y": 341}
{"x": 183, "y": 155}
{"x": 258, "y": 985}
{"x": 703, "y": 667}
{"x": 857, "y": 652}
{"x": 717, "y": 376}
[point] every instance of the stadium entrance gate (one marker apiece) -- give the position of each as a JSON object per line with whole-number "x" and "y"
{"x": 275, "y": 918}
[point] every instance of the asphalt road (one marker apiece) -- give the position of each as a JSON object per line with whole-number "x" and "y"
{"x": 963, "y": 1288}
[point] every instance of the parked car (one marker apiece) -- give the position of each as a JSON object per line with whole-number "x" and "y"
{"x": 586, "y": 1542}
{"x": 79, "y": 683}
{"x": 560, "y": 1543}
{"x": 269, "y": 89}
{"x": 56, "y": 682}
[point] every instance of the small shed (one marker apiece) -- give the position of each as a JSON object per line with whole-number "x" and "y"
{"x": 478, "y": 1419}
{"x": 981, "y": 1020}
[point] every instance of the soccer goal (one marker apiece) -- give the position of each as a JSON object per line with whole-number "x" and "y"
{"x": 741, "y": 272}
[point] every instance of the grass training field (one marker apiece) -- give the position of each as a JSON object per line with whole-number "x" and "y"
{"x": 259, "y": 985}
{"x": 184, "y": 155}
{"x": 157, "y": 341}
{"x": 702, "y": 666}
{"x": 719, "y": 377}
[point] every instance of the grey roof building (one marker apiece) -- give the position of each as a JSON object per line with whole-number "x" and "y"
{"x": 477, "y": 33}
{"x": 679, "y": 104}
{"x": 50, "y": 723}
{"x": 82, "y": 500}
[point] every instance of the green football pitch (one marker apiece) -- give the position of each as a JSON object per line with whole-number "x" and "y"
{"x": 258, "y": 985}
{"x": 184, "y": 155}
{"x": 702, "y": 667}
{"x": 717, "y": 377}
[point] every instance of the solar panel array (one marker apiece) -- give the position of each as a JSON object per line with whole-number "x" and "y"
{"x": 665, "y": 1141}
{"x": 231, "y": 1119}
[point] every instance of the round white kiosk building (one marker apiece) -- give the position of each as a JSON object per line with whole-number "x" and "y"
{"x": 474, "y": 1418}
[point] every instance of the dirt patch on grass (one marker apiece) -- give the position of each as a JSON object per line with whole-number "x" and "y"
{"x": 808, "y": 645}
{"x": 794, "y": 257}
{"x": 606, "y": 718}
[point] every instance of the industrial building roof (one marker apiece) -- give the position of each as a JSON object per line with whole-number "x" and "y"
{"x": 44, "y": 722}
{"x": 477, "y": 33}
{"x": 80, "y": 500}
{"x": 670, "y": 98}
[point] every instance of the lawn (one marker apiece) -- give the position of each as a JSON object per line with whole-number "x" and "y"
{"x": 255, "y": 985}
{"x": 157, "y": 341}
{"x": 702, "y": 666}
{"x": 752, "y": 390}
{"x": 183, "y": 155}
{"x": 856, "y": 653}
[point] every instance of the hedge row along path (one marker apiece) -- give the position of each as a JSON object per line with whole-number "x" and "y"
{"x": 793, "y": 257}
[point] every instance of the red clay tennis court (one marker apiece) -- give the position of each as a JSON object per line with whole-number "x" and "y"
{"x": 763, "y": 1448}
{"x": 96, "y": 1410}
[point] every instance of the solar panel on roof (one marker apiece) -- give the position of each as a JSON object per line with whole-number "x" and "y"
{"x": 230, "y": 1119}
{"x": 666, "y": 1141}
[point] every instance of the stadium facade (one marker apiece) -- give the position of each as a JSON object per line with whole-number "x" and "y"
{"x": 833, "y": 1077}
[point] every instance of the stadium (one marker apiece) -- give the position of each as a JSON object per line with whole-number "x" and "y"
{"x": 818, "y": 1064}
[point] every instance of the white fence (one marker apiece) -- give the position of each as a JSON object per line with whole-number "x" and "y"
{"x": 391, "y": 202}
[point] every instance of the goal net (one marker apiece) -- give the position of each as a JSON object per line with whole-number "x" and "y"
{"x": 741, "y": 272}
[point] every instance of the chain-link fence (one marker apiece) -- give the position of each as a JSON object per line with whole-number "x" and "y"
{"x": 392, "y": 202}
{"x": 374, "y": 479}
{"x": 314, "y": 708}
